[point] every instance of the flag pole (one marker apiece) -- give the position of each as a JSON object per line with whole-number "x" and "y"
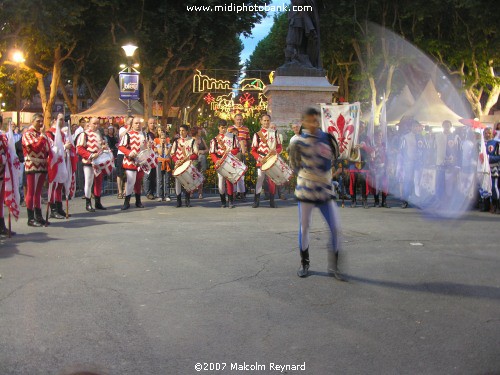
{"x": 67, "y": 206}
{"x": 48, "y": 205}
{"x": 10, "y": 226}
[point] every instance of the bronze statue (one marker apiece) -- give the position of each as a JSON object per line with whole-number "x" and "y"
{"x": 302, "y": 41}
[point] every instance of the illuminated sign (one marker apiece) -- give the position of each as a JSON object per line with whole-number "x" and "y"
{"x": 129, "y": 86}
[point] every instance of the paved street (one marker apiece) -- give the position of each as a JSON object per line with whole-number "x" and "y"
{"x": 160, "y": 289}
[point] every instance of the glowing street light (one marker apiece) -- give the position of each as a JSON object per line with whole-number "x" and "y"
{"x": 129, "y": 50}
{"x": 18, "y": 58}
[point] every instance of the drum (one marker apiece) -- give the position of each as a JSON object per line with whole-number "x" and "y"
{"x": 146, "y": 160}
{"x": 277, "y": 170}
{"x": 231, "y": 168}
{"x": 103, "y": 163}
{"x": 189, "y": 177}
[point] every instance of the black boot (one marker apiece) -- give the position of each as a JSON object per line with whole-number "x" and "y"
{"x": 494, "y": 206}
{"x": 384, "y": 201}
{"x": 365, "y": 203}
{"x": 126, "y": 203}
{"x": 4, "y": 231}
{"x": 304, "y": 263}
{"x": 188, "y": 199}
{"x": 179, "y": 200}
{"x": 88, "y": 205}
{"x": 231, "y": 201}
{"x": 256, "y": 201}
{"x": 59, "y": 206}
{"x": 53, "y": 212}
{"x": 333, "y": 271}
{"x": 272, "y": 203}
{"x": 353, "y": 203}
{"x": 39, "y": 217}
{"x": 377, "y": 201}
{"x": 31, "y": 219}
{"x": 98, "y": 204}
{"x": 138, "y": 201}
{"x": 223, "y": 203}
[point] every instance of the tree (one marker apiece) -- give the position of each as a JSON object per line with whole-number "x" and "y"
{"x": 462, "y": 35}
{"x": 269, "y": 53}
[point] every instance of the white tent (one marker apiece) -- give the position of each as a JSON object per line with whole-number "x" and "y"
{"x": 399, "y": 105}
{"x": 429, "y": 109}
{"x": 109, "y": 105}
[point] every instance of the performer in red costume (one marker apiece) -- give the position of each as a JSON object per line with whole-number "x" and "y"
{"x": 133, "y": 142}
{"x": 184, "y": 148}
{"x": 56, "y": 206}
{"x": 36, "y": 149}
{"x": 265, "y": 143}
{"x": 90, "y": 145}
{"x": 223, "y": 143}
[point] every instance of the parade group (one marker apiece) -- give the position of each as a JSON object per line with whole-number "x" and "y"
{"x": 52, "y": 155}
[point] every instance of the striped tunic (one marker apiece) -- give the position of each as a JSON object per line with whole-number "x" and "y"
{"x": 311, "y": 157}
{"x": 132, "y": 141}
{"x": 244, "y": 136}
{"x": 36, "y": 149}
{"x": 267, "y": 141}
{"x": 89, "y": 143}
{"x": 184, "y": 147}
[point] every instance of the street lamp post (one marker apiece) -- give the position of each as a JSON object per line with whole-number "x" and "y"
{"x": 129, "y": 52}
{"x": 18, "y": 58}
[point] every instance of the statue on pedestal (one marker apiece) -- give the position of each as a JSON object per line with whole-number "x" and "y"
{"x": 302, "y": 52}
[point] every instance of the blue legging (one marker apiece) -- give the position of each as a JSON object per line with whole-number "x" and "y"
{"x": 328, "y": 210}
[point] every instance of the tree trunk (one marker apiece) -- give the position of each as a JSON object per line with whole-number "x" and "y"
{"x": 146, "y": 96}
{"x": 54, "y": 85}
{"x": 73, "y": 109}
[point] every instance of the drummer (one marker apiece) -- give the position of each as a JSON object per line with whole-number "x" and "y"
{"x": 90, "y": 145}
{"x": 223, "y": 143}
{"x": 131, "y": 144}
{"x": 265, "y": 143}
{"x": 183, "y": 149}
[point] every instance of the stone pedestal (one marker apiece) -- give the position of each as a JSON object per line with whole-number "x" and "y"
{"x": 289, "y": 96}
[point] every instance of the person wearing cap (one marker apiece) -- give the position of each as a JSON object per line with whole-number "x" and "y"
{"x": 311, "y": 157}
{"x": 223, "y": 143}
{"x": 36, "y": 149}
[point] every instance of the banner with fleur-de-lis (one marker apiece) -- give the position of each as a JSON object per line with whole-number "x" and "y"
{"x": 342, "y": 121}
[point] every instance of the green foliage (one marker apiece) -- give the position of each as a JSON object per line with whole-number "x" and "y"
{"x": 269, "y": 53}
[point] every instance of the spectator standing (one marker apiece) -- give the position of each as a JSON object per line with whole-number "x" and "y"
{"x": 201, "y": 162}
{"x": 163, "y": 169}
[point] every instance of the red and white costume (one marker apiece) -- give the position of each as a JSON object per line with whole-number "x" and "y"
{"x": 56, "y": 193}
{"x": 181, "y": 149}
{"x": 3, "y": 163}
{"x": 244, "y": 138}
{"x": 36, "y": 149}
{"x": 221, "y": 144}
{"x": 132, "y": 141}
{"x": 263, "y": 142}
{"x": 90, "y": 143}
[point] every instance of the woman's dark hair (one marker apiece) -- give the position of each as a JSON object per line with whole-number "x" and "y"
{"x": 222, "y": 122}
{"x": 265, "y": 115}
{"x": 194, "y": 131}
{"x": 184, "y": 126}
